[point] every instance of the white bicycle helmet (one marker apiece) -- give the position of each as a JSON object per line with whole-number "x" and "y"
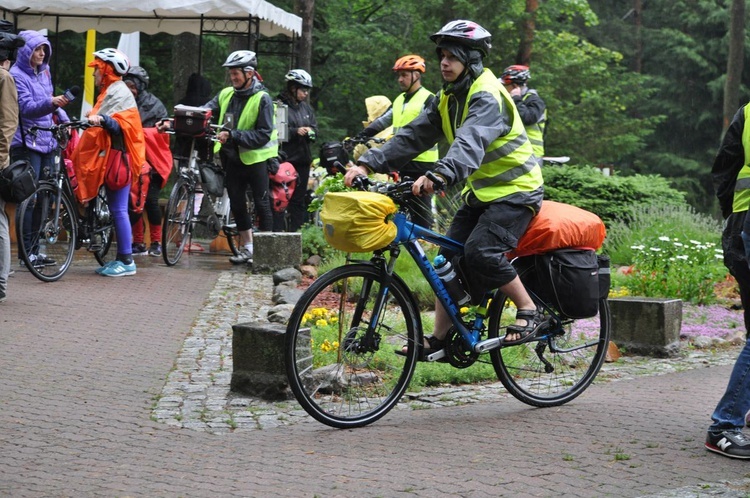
{"x": 299, "y": 76}
{"x": 118, "y": 60}
{"x": 244, "y": 59}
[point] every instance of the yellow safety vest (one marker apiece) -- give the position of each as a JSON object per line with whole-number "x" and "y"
{"x": 535, "y": 132}
{"x": 509, "y": 164}
{"x": 405, "y": 112}
{"x": 741, "y": 200}
{"x": 247, "y": 121}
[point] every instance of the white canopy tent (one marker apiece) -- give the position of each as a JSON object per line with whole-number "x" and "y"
{"x": 254, "y": 17}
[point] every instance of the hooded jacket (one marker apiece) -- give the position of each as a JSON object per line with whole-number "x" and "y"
{"x": 35, "y": 95}
{"x": 150, "y": 107}
{"x": 297, "y": 147}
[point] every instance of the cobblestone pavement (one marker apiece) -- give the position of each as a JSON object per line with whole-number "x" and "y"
{"x": 197, "y": 396}
{"x": 119, "y": 387}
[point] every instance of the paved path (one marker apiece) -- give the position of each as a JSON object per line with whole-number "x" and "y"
{"x": 88, "y": 362}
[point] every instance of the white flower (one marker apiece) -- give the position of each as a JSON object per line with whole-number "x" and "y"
{"x": 679, "y": 244}
{"x": 695, "y": 242}
{"x": 655, "y": 249}
{"x": 664, "y": 238}
{"x": 682, "y": 256}
{"x": 638, "y": 248}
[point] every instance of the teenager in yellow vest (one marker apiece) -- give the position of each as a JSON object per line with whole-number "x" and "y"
{"x": 531, "y": 107}
{"x": 246, "y": 148}
{"x": 489, "y": 149}
{"x": 407, "y": 106}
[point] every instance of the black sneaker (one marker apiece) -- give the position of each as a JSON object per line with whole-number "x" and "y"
{"x": 139, "y": 249}
{"x": 155, "y": 249}
{"x": 732, "y": 443}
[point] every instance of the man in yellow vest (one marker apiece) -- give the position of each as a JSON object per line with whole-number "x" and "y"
{"x": 246, "y": 146}
{"x": 731, "y": 179}
{"x": 530, "y": 105}
{"x": 407, "y": 106}
{"x": 489, "y": 149}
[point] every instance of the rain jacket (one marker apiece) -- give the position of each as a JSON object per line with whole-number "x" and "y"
{"x": 35, "y": 96}
{"x": 479, "y": 125}
{"x": 297, "y": 147}
{"x": 116, "y": 101}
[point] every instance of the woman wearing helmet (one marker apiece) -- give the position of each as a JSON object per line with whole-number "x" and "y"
{"x": 303, "y": 128}
{"x": 489, "y": 149}
{"x": 116, "y": 121}
{"x": 530, "y": 105}
{"x": 407, "y": 106}
{"x": 246, "y": 145}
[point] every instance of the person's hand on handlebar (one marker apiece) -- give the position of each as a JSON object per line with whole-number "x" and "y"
{"x": 422, "y": 186}
{"x": 353, "y": 172}
{"x": 164, "y": 125}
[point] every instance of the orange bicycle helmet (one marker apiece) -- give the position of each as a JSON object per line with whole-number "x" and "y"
{"x": 410, "y": 63}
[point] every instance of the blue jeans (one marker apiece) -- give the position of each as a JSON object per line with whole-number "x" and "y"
{"x": 40, "y": 162}
{"x": 731, "y": 410}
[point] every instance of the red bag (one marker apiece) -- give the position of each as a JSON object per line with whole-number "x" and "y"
{"x": 139, "y": 189}
{"x": 117, "y": 172}
{"x": 282, "y": 185}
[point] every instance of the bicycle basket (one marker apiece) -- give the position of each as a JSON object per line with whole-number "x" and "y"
{"x": 358, "y": 221}
{"x": 191, "y": 121}
{"x": 330, "y": 153}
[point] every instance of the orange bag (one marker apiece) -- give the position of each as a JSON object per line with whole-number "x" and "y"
{"x": 558, "y": 226}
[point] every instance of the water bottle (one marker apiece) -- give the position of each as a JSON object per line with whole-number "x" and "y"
{"x": 453, "y": 285}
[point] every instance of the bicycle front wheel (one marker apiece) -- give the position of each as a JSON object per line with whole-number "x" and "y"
{"x": 178, "y": 216}
{"x": 555, "y": 370}
{"x": 46, "y": 231}
{"x": 341, "y": 346}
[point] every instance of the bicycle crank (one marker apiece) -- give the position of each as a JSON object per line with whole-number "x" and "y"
{"x": 455, "y": 350}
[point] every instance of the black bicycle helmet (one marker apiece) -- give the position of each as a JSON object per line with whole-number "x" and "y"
{"x": 466, "y": 33}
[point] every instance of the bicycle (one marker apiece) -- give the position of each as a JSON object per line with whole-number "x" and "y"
{"x": 339, "y": 352}
{"x": 57, "y": 227}
{"x": 181, "y": 217}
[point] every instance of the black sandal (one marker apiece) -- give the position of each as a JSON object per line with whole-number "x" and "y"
{"x": 435, "y": 345}
{"x": 535, "y": 323}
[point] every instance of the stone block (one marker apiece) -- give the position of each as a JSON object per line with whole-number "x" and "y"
{"x": 273, "y": 251}
{"x": 258, "y": 361}
{"x": 649, "y": 326}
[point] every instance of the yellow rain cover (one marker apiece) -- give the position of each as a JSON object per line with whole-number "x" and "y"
{"x": 358, "y": 221}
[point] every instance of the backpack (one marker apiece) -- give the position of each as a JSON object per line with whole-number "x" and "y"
{"x": 282, "y": 184}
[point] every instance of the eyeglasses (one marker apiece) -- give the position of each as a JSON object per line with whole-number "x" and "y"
{"x": 303, "y": 89}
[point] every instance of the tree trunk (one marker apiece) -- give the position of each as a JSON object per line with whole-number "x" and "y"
{"x": 528, "y": 28}
{"x": 638, "y": 19}
{"x": 306, "y": 10}
{"x": 734, "y": 61}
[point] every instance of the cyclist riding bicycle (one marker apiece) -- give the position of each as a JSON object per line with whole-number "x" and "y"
{"x": 407, "y": 106}
{"x": 489, "y": 149}
{"x": 531, "y": 107}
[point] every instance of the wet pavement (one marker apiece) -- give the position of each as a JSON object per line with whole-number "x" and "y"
{"x": 120, "y": 387}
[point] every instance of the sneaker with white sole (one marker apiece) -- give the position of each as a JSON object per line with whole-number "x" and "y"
{"x": 119, "y": 269}
{"x": 106, "y": 265}
{"x": 138, "y": 249}
{"x": 731, "y": 443}
{"x": 243, "y": 257}
{"x": 155, "y": 249}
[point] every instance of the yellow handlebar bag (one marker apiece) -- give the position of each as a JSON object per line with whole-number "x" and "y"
{"x": 358, "y": 221}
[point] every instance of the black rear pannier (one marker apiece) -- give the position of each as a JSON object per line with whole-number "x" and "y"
{"x": 333, "y": 157}
{"x": 569, "y": 279}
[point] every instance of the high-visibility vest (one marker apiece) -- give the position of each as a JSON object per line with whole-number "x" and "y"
{"x": 535, "y": 131}
{"x": 247, "y": 121}
{"x": 509, "y": 164}
{"x": 741, "y": 200}
{"x": 404, "y": 112}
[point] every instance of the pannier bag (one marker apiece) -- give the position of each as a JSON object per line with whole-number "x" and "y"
{"x": 17, "y": 181}
{"x": 358, "y": 221}
{"x": 212, "y": 178}
{"x": 559, "y": 225}
{"x": 191, "y": 121}
{"x": 281, "y": 185}
{"x": 569, "y": 280}
{"x": 330, "y": 154}
{"x": 604, "y": 275}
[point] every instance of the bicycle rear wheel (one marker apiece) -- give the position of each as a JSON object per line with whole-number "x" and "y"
{"x": 102, "y": 228}
{"x": 342, "y": 376}
{"x": 232, "y": 235}
{"x": 47, "y": 242}
{"x": 553, "y": 370}
{"x": 177, "y": 224}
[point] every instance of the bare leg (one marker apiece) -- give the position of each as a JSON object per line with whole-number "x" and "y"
{"x": 246, "y": 237}
{"x": 517, "y": 292}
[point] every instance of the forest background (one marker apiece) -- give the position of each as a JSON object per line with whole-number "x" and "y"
{"x": 636, "y": 85}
